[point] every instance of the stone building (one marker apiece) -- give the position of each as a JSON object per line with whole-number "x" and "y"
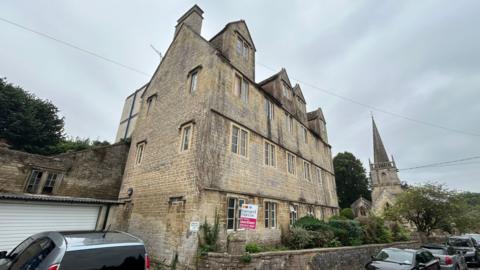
{"x": 129, "y": 115}
{"x": 383, "y": 174}
{"x": 71, "y": 191}
{"x": 209, "y": 139}
{"x": 361, "y": 207}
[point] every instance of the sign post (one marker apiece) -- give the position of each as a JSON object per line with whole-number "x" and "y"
{"x": 248, "y": 216}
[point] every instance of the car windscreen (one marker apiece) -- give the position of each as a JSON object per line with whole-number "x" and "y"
{"x": 396, "y": 256}
{"x": 457, "y": 242}
{"x": 437, "y": 251}
{"x": 111, "y": 258}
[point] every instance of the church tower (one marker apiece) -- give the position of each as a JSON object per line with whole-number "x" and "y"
{"x": 383, "y": 174}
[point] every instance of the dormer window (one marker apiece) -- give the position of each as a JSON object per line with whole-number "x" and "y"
{"x": 243, "y": 48}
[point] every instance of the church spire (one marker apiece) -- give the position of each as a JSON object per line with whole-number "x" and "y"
{"x": 379, "y": 152}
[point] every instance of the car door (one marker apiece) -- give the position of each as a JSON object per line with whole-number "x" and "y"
{"x": 430, "y": 261}
{"x": 32, "y": 256}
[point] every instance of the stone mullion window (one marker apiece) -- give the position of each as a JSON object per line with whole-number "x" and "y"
{"x": 234, "y": 206}
{"x": 241, "y": 87}
{"x": 270, "y": 215}
{"x": 187, "y": 132}
{"x": 34, "y": 181}
{"x": 291, "y": 163}
{"x": 293, "y": 213}
{"x": 270, "y": 155}
{"x": 239, "y": 141}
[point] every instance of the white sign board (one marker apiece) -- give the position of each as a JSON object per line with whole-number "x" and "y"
{"x": 248, "y": 216}
{"x": 194, "y": 226}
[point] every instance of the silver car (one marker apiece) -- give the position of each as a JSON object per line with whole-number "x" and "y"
{"x": 448, "y": 257}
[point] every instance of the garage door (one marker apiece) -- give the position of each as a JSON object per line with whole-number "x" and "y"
{"x": 20, "y": 220}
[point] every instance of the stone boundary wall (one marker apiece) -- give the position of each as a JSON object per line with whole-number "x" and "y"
{"x": 341, "y": 258}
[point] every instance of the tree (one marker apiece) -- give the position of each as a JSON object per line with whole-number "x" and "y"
{"x": 351, "y": 179}
{"x": 28, "y": 123}
{"x": 429, "y": 207}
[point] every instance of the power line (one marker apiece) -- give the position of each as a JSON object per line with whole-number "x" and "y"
{"x": 378, "y": 109}
{"x": 68, "y": 44}
{"x": 441, "y": 164}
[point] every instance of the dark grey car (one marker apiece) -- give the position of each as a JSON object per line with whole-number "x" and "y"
{"x": 466, "y": 246}
{"x": 448, "y": 257}
{"x": 403, "y": 259}
{"x": 82, "y": 250}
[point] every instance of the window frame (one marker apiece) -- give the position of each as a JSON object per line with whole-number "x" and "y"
{"x": 243, "y": 91}
{"x": 242, "y": 47}
{"x": 236, "y": 210}
{"x": 319, "y": 174}
{"x": 305, "y": 134}
{"x": 140, "y": 152}
{"x": 269, "y": 109}
{"x": 189, "y": 128}
{"x": 293, "y": 213}
{"x": 269, "y": 219}
{"x": 193, "y": 81}
{"x": 239, "y": 137}
{"x": 150, "y": 102}
{"x": 294, "y": 163}
{"x": 269, "y": 154}
{"x": 289, "y": 123}
{"x": 306, "y": 176}
{"x": 36, "y": 183}
{"x": 48, "y": 182}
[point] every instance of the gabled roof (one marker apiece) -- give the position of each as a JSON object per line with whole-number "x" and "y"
{"x": 232, "y": 23}
{"x": 316, "y": 114}
{"x": 282, "y": 74}
{"x": 298, "y": 92}
{"x": 361, "y": 200}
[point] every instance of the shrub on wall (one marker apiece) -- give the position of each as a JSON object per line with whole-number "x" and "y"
{"x": 347, "y": 213}
{"x": 348, "y": 232}
{"x": 253, "y": 248}
{"x": 298, "y": 238}
{"x": 374, "y": 230}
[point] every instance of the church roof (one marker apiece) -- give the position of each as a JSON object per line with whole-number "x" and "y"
{"x": 379, "y": 152}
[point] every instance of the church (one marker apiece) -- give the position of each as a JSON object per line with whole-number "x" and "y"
{"x": 384, "y": 178}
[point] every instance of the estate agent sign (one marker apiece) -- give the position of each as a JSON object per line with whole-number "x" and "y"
{"x": 248, "y": 216}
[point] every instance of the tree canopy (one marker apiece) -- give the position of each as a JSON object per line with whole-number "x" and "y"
{"x": 351, "y": 179}
{"x": 28, "y": 123}
{"x": 433, "y": 206}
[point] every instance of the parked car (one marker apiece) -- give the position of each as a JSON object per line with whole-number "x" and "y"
{"x": 449, "y": 259}
{"x": 403, "y": 259}
{"x": 466, "y": 246}
{"x": 476, "y": 239}
{"x": 82, "y": 250}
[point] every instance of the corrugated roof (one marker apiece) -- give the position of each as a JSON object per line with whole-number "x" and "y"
{"x": 48, "y": 198}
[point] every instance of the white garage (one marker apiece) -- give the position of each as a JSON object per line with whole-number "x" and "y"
{"x": 20, "y": 219}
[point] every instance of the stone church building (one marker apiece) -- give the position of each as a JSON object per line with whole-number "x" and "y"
{"x": 208, "y": 138}
{"x": 385, "y": 181}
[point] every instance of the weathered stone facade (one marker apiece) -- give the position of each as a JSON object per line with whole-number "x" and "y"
{"x": 195, "y": 89}
{"x": 94, "y": 173}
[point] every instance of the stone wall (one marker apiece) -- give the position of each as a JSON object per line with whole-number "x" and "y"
{"x": 93, "y": 173}
{"x": 342, "y": 258}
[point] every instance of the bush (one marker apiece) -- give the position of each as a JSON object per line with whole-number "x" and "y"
{"x": 347, "y": 213}
{"x": 210, "y": 235}
{"x": 338, "y": 217}
{"x": 312, "y": 224}
{"x": 399, "y": 232}
{"x": 375, "y": 231}
{"x": 298, "y": 238}
{"x": 253, "y": 248}
{"x": 348, "y": 232}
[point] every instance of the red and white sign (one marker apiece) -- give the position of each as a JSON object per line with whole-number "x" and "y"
{"x": 248, "y": 216}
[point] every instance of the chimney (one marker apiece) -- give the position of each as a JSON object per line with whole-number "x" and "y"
{"x": 193, "y": 18}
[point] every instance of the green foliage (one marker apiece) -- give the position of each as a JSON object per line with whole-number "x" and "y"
{"x": 253, "y": 248}
{"x": 347, "y": 213}
{"x": 433, "y": 206}
{"x": 246, "y": 258}
{"x": 374, "y": 230}
{"x": 28, "y": 123}
{"x": 298, "y": 238}
{"x": 338, "y": 217}
{"x": 77, "y": 144}
{"x": 310, "y": 223}
{"x": 320, "y": 232}
{"x": 399, "y": 232}
{"x": 210, "y": 235}
{"x": 348, "y": 232}
{"x": 351, "y": 179}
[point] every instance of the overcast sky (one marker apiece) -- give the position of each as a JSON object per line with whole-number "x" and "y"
{"x": 419, "y": 59}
